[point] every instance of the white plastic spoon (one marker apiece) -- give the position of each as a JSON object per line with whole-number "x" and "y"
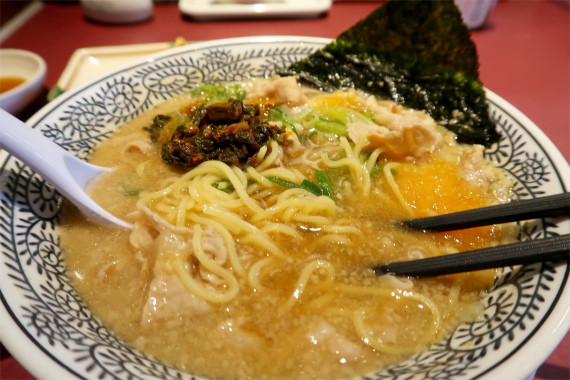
{"x": 65, "y": 172}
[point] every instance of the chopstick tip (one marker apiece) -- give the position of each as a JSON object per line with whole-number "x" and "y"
{"x": 382, "y": 270}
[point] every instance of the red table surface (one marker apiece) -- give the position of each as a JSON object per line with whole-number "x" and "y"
{"x": 524, "y": 51}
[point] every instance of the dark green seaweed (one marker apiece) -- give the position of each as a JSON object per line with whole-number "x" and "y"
{"x": 416, "y": 53}
{"x": 433, "y": 30}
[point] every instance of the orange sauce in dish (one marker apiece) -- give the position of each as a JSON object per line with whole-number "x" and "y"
{"x": 8, "y": 83}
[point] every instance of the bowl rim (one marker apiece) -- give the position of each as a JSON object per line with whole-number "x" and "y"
{"x": 30, "y": 81}
{"x": 557, "y": 322}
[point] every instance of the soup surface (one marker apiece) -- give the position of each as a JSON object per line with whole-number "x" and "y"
{"x": 8, "y": 83}
{"x": 262, "y": 268}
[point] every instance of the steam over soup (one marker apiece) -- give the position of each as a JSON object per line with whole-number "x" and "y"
{"x": 254, "y": 262}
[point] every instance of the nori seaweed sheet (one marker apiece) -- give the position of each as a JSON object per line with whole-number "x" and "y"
{"x": 433, "y": 30}
{"x": 416, "y": 53}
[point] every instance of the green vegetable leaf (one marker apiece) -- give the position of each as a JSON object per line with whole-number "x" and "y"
{"x": 132, "y": 193}
{"x": 282, "y": 182}
{"x": 219, "y": 93}
{"x": 330, "y": 126}
{"x": 277, "y": 114}
{"x": 305, "y": 185}
{"x": 325, "y": 183}
{"x": 376, "y": 170}
{"x": 224, "y": 185}
{"x": 311, "y": 187}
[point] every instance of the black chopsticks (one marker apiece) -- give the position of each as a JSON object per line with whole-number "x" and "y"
{"x": 549, "y": 206}
{"x": 527, "y": 252}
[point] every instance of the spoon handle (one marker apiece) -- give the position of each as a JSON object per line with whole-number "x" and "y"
{"x": 65, "y": 172}
{"x": 32, "y": 148}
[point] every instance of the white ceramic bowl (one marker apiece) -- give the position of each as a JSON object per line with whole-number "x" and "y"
{"x": 28, "y": 66}
{"x": 48, "y": 328}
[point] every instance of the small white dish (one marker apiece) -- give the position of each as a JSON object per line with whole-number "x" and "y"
{"x": 28, "y": 66}
{"x": 88, "y": 62}
{"x": 475, "y": 12}
{"x": 249, "y": 9}
{"x": 117, "y": 11}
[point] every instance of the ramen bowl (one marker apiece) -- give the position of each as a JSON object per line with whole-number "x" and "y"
{"x": 53, "y": 334}
{"x": 29, "y": 70}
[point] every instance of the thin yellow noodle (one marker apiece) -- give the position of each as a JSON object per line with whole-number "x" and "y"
{"x": 229, "y": 174}
{"x": 147, "y": 197}
{"x": 269, "y": 160}
{"x": 348, "y": 162}
{"x": 360, "y": 175}
{"x": 281, "y": 228}
{"x": 286, "y": 174}
{"x": 254, "y": 188}
{"x": 170, "y": 217}
{"x": 314, "y": 219}
{"x": 254, "y": 175}
{"x": 194, "y": 192}
{"x": 262, "y": 194}
{"x": 164, "y": 208}
{"x": 206, "y": 193}
{"x": 292, "y": 193}
{"x": 288, "y": 214}
{"x": 226, "y": 236}
{"x": 395, "y": 189}
{"x": 304, "y": 279}
{"x": 362, "y": 139}
{"x": 373, "y": 158}
{"x": 232, "y": 221}
{"x": 358, "y": 320}
{"x": 181, "y": 213}
{"x": 240, "y": 174}
{"x": 212, "y": 195}
{"x": 426, "y": 338}
{"x": 255, "y": 272}
{"x": 341, "y": 312}
{"x": 309, "y": 202}
{"x": 260, "y": 154}
{"x": 320, "y": 302}
{"x": 271, "y": 199}
{"x": 371, "y": 291}
{"x": 429, "y": 212}
{"x": 217, "y": 168}
{"x": 261, "y": 240}
{"x": 196, "y": 288}
{"x": 206, "y": 261}
{"x": 298, "y": 173}
{"x": 278, "y": 209}
{"x": 237, "y": 225}
{"x": 387, "y": 200}
{"x": 322, "y": 203}
{"x": 358, "y": 315}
